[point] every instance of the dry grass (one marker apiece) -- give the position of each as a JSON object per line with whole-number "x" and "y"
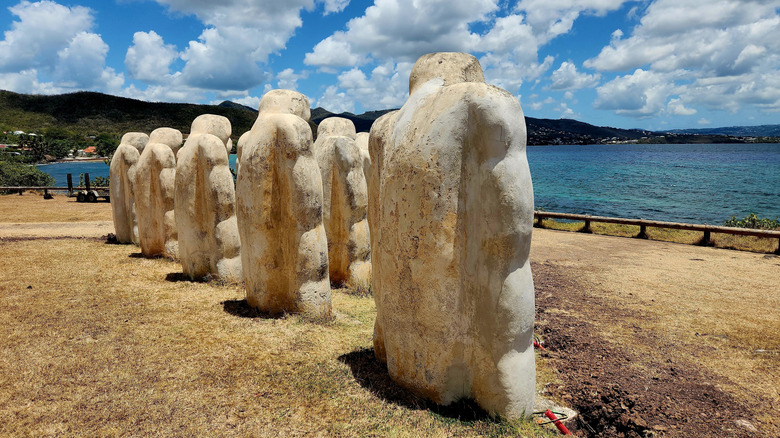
{"x": 728, "y": 241}
{"x": 31, "y": 207}
{"x": 97, "y": 341}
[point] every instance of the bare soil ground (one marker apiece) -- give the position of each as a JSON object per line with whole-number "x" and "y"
{"x": 644, "y": 338}
{"x": 660, "y": 338}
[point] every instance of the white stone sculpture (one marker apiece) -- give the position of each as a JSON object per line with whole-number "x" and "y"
{"x": 362, "y": 142}
{"x": 204, "y": 202}
{"x": 451, "y": 233}
{"x": 122, "y": 176}
{"x": 285, "y": 250}
{"x": 155, "y": 179}
{"x": 239, "y": 148}
{"x": 345, "y": 202}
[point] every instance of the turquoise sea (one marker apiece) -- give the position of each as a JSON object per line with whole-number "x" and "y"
{"x": 704, "y": 184}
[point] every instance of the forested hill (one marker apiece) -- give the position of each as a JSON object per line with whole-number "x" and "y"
{"x": 737, "y": 131}
{"x": 93, "y": 113}
{"x": 540, "y": 131}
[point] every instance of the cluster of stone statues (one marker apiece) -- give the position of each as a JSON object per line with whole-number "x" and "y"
{"x": 433, "y": 209}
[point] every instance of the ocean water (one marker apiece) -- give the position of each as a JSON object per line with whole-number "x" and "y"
{"x": 60, "y": 171}
{"x": 703, "y": 184}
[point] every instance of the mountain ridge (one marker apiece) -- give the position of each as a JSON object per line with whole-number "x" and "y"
{"x": 92, "y": 112}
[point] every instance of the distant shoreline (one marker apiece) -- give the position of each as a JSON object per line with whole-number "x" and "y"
{"x": 74, "y": 160}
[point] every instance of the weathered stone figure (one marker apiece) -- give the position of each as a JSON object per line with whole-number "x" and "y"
{"x": 155, "y": 179}
{"x": 362, "y": 142}
{"x": 204, "y": 202}
{"x": 285, "y": 250}
{"x": 239, "y": 148}
{"x": 452, "y": 280}
{"x": 345, "y": 202}
{"x": 122, "y": 175}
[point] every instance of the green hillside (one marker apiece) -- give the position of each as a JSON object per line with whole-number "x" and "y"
{"x": 88, "y": 114}
{"x": 93, "y": 113}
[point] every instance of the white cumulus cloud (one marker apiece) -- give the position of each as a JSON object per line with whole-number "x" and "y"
{"x": 677, "y": 107}
{"x": 287, "y": 79}
{"x": 721, "y": 54}
{"x": 551, "y": 18}
{"x": 641, "y": 94}
{"x": 149, "y": 58}
{"x": 568, "y": 78}
{"x": 402, "y": 30}
{"x": 50, "y": 49}
{"x": 507, "y": 39}
{"x": 42, "y": 29}
{"x": 239, "y": 36}
{"x": 335, "y": 101}
{"x": 721, "y": 36}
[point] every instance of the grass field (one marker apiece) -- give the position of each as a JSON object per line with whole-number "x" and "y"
{"x": 97, "y": 341}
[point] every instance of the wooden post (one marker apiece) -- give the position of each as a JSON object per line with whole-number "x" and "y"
{"x": 70, "y": 185}
{"x": 705, "y": 240}
{"x": 642, "y": 232}
{"x": 778, "y": 247}
{"x": 586, "y": 228}
{"x": 86, "y": 180}
{"x": 539, "y": 223}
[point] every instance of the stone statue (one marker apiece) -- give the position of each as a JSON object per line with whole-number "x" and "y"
{"x": 362, "y": 142}
{"x": 239, "y": 148}
{"x": 285, "y": 250}
{"x": 122, "y": 175}
{"x": 451, "y": 233}
{"x": 345, "y": 202}
{"x": 204, "y": 202}
{"x": 155, "y": 179}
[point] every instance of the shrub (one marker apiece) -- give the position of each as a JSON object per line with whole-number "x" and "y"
{"x": 95, "y": 181}
{"x": 753, "y": 221}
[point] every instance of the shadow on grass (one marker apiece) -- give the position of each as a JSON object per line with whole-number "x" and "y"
{"x": 175, "y": 277}
{"x": 372, "y": 375}
{"x": 110, "y": 239}
{"x": 242, "y": 309}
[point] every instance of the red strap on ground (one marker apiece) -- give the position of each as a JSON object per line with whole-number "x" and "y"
{"x": 561, "y": 428}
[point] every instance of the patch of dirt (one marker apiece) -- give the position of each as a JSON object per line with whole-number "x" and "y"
{"x": 55, "y": 229}
{"x": 617, "y": 391}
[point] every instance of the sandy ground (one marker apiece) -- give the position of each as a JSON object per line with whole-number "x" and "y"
{"x": 56, "y": 229}
{"x": 618, "y": 314}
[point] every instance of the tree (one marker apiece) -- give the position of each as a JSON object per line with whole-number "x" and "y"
{"x": 59, "y": 148}
{"x": 106, "y": 144}
{"x": 57, "y": 133}
{"x": 34, "y": 145}
{"x": 18, "y": 174}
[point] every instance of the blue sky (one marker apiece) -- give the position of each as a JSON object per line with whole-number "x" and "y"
{"x": 656, "y": 64}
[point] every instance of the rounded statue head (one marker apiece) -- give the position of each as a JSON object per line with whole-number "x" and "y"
{"x": 286, "y": 102}
{"x": 215, "y": 125}
{"x": 137, "y": 140}
{"x": 167, "y": 136}
{"x": 451, "y": 67}
{"x": 336, "y": 126}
